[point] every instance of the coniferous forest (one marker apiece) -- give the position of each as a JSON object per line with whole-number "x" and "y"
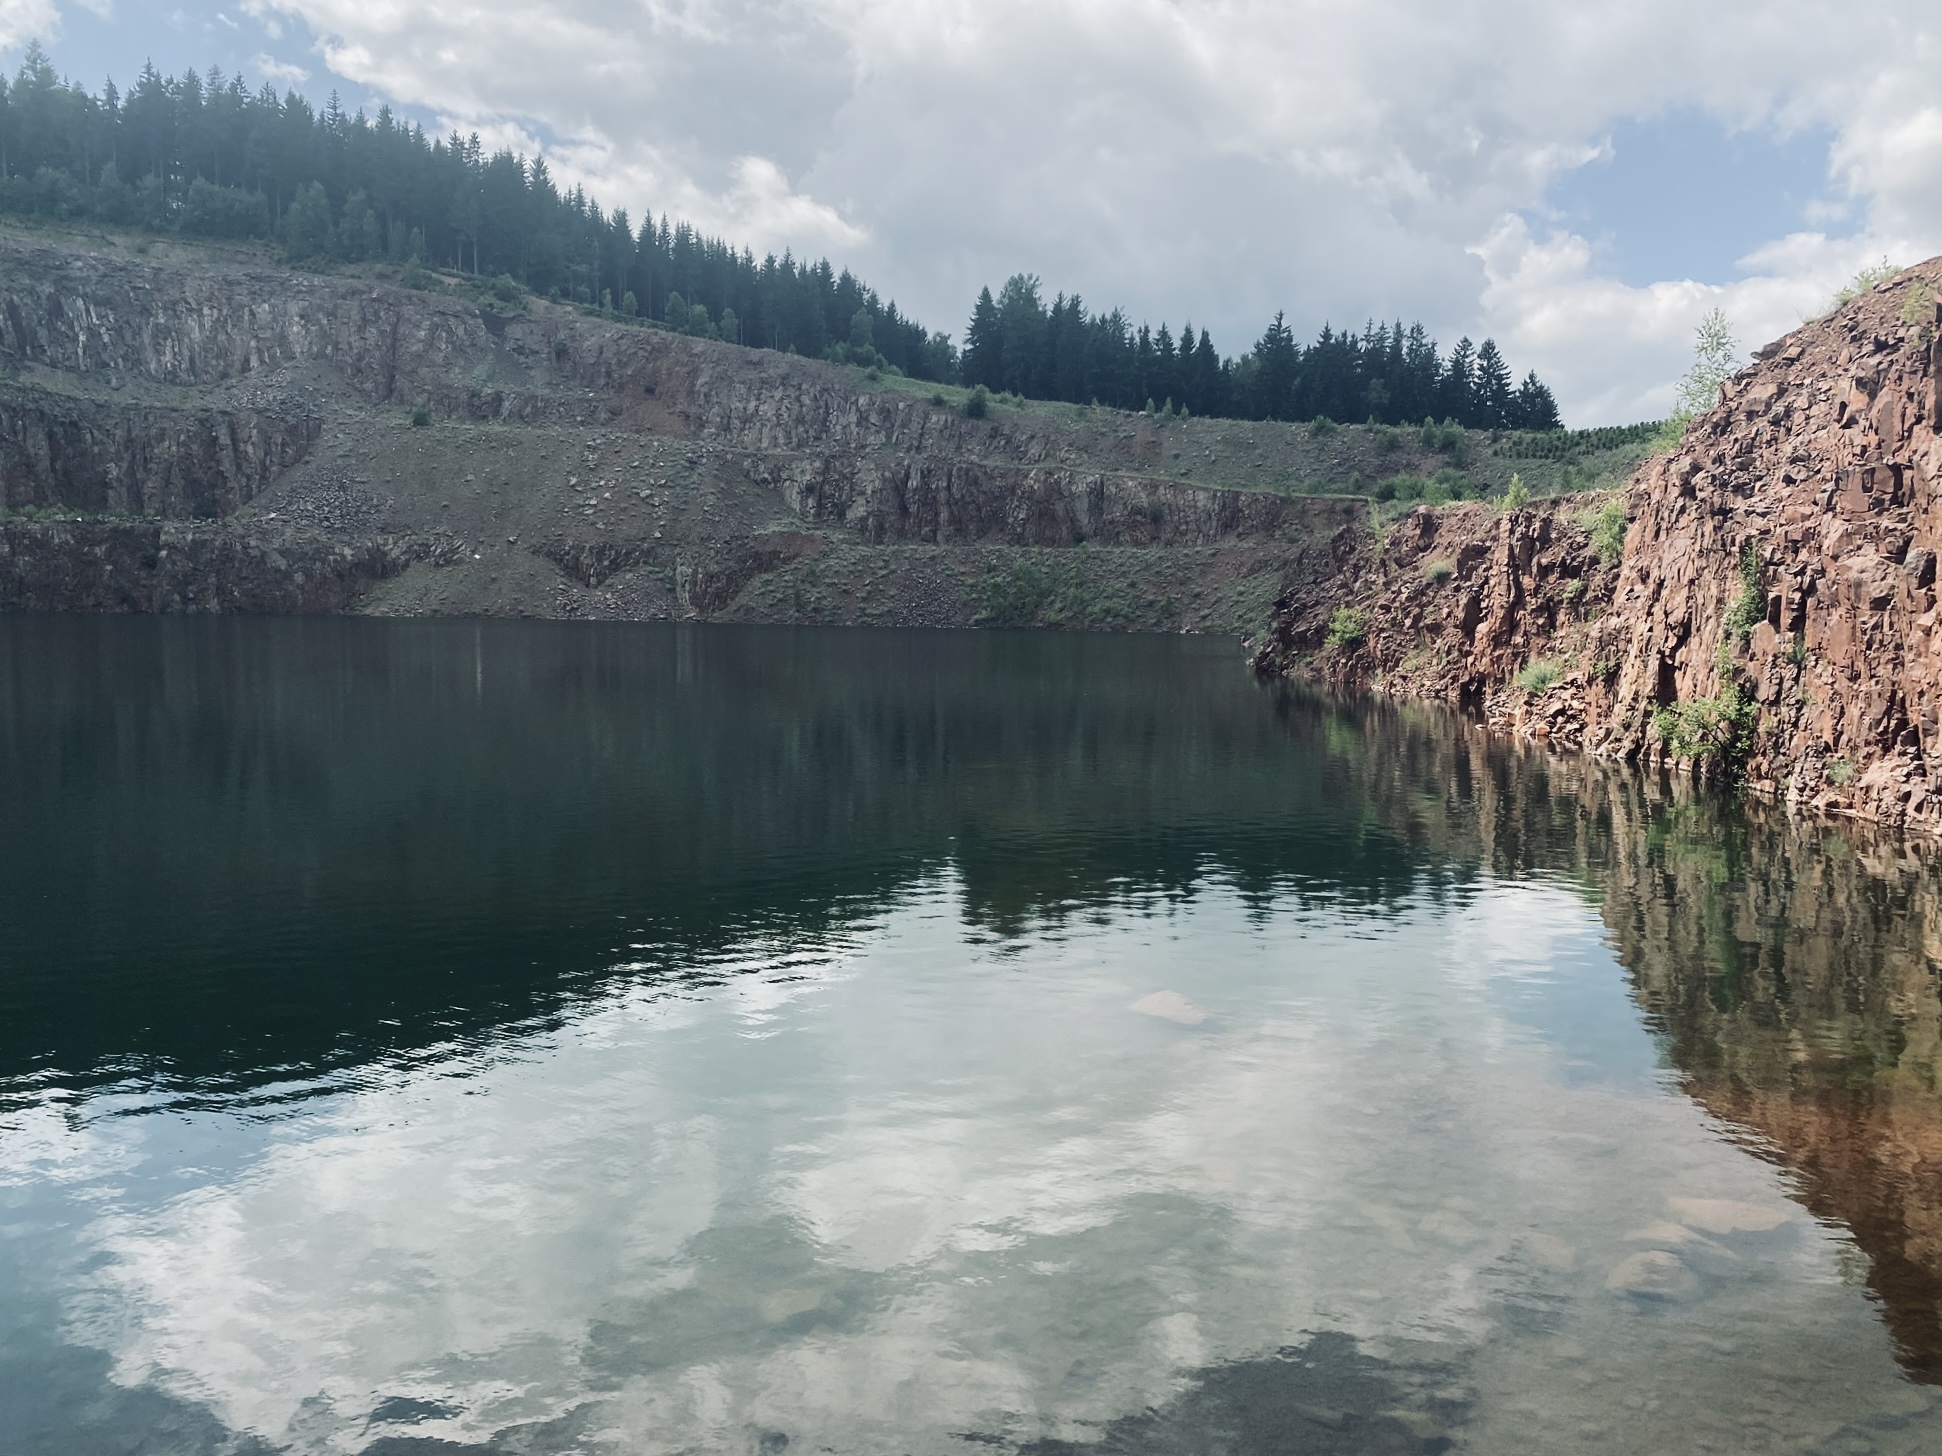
{"x": 205, "y": 156}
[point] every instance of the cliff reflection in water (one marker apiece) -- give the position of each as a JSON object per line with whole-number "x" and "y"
{"x": 1792, "y": 968}
{"x": 1793, "y": 972}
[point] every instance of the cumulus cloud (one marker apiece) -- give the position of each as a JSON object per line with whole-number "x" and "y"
{"x": 1213, "y": 158}
{"x": 280, "y": 73}
{"x": 25, "y": 20}
{"x": 1614, "y": 351}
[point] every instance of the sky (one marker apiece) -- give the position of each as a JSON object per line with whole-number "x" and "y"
{"x": 1581, "y": 181}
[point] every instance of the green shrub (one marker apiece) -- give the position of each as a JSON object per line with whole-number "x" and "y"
{"x": 505, "y": 289}
{"x": 1347, "y": 628}
{"x": 1918, "y": 311}
{"x": 1321, "y": 427}
{"x": 1516, "y": 497}
{"x": 937, "y": 398}
{"x": 1440, "y": 568}
{"x": 1750, "y": 606}
{"x": 1840, "y": 772}
{"x": 1607, "y": 527}
{"x": 977, "y": 404}
{"x": 1539, "y": 675}
{"x": 1400, "y": 487}
{"x": 1866, "y": 280}
{"x": 421, "y": 415}
{"x": 1706, "y": 729}
{"x": 307, "y": 231}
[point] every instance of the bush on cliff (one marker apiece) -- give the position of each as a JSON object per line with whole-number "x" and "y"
{"x": 1539, "y": 675}
{"x": 1607, "y": 527}
{"x": 1347, "y": 628}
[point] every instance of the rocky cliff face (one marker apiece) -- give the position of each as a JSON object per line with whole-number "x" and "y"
{"x": 58, "y": 451}
{"x": 1773, "y": 618}
{"x": 1452, "y": 604}
{"x": 152, "y": 566}
{"x": 1785, "y": 555}
{"x": 579, "y": 466}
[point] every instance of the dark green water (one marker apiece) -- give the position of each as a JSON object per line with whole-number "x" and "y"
{"x": 437, "y": 1037}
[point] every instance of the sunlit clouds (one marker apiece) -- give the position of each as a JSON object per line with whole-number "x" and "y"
{"x": 1194, "y": 159}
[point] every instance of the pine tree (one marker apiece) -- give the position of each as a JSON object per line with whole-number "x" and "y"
{"x": 1534, "y": 408}
{"x": 1491, "y": 398}
{"x": 207, "y": 156}
{"x": 984, "y": 345}
{"x": 1278, "y": 361}
{"x": 1456, "y": 390}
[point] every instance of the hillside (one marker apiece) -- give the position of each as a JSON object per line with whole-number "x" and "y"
{"x": 1772, "y": 619}
{"x": 196, "y": 427}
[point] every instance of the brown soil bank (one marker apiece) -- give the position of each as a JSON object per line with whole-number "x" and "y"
{"x": 1773, "y": 616}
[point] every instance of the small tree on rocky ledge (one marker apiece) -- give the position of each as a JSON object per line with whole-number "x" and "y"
{"x": 1716, "y": 359}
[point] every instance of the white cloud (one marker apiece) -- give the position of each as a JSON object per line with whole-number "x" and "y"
{"x": 1212, "y": 158}
{"x": 1613, "y": 350}
{"x": 24, "y": 20}
{"x": 281, "y": 73}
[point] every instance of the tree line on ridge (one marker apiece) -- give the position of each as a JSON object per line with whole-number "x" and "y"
{"x": 206, "y": 156}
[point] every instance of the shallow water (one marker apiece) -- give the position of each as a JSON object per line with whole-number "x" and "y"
{"x": 426, "y": 1037}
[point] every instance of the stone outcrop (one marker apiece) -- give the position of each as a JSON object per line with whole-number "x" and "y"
{"x": 1774, "y": 618}
{"x": 1451, "y": 604}
{"x": 1815, "y": 489}
{"x": 57, "y": 451}
{"x": 153, "y": 566}
{"x": 153, "y": 382}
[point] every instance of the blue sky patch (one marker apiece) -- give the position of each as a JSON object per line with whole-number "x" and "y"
{"x": 1681, "y": 196}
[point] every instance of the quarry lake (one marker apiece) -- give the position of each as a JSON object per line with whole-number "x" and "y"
{"x": 436, "y": 1037}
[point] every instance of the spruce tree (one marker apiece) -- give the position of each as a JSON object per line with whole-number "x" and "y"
{"x": 984, "y": 347}
{"x": 1491, "y": 400}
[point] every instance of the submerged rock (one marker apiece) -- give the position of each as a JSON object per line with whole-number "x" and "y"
{"x": 1653, "y": 1274}
{"x": 1548, "y": 1251}
{"x": 1725, "y": 1216}
{"x": 1170, "y": 1006}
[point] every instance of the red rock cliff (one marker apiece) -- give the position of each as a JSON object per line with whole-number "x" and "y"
{"x": 1774, "y": 612}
